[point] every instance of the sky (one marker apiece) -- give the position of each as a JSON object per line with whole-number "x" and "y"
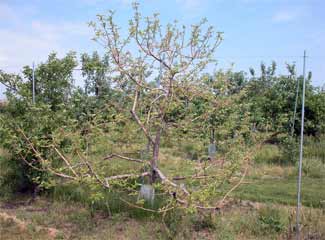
{"x": 255, "y": 31}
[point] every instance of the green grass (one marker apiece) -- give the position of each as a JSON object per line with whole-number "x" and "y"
{"x": 268, "y": 154}
{"x": 315, "y": 148}
{"x": 283, "y": 191}
{"x": 271, "y": 182}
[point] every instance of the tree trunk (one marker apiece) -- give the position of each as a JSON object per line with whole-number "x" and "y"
{"x": 155, "y": 157}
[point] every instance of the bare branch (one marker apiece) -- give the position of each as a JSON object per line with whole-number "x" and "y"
{"x": 125, "y": 176}
{"x": 125, "y": 158}
{"x": 135, "y": 116}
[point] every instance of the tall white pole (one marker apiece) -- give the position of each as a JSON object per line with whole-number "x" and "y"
{"x": 33, "y": 79}
{"x": 301, "y": 149}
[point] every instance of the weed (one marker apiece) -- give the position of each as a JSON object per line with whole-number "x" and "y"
{"x": 203, "y": 221}
{"x": 271, "y": 220}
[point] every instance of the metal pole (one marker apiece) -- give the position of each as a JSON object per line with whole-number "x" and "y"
{"x": 33, "y": 79}
{"x": 301, "y": 149}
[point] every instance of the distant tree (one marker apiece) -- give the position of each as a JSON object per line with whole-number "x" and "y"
{"x": 96, "y": 69}
{"x": 271, "y": 98}
{"x": 53, "y": 79}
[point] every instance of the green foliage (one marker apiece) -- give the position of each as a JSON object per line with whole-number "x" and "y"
{"x": 174, "y": 220}
{"x": 31, "y": 125}
{"x": 314, "y": 112}
{"x": 96, "y": 72}
{"x": 272, "y": 100}
{"x": 53, "y": 79}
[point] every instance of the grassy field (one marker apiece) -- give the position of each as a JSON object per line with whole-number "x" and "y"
{"x": 260, "y": 208}
{"x": 273, "y": 182}
{"x": 283, "y": 191}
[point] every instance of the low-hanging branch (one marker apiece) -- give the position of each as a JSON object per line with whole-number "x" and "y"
{"x": 125, "y": 158}
{"x": 124, "y": 176}
{"x": 39, "y": 156}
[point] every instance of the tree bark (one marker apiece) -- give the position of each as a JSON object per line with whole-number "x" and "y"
{"x": 155, "y": 157}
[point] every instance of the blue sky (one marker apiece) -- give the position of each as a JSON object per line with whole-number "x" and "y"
{"x": 254, "y": 30}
